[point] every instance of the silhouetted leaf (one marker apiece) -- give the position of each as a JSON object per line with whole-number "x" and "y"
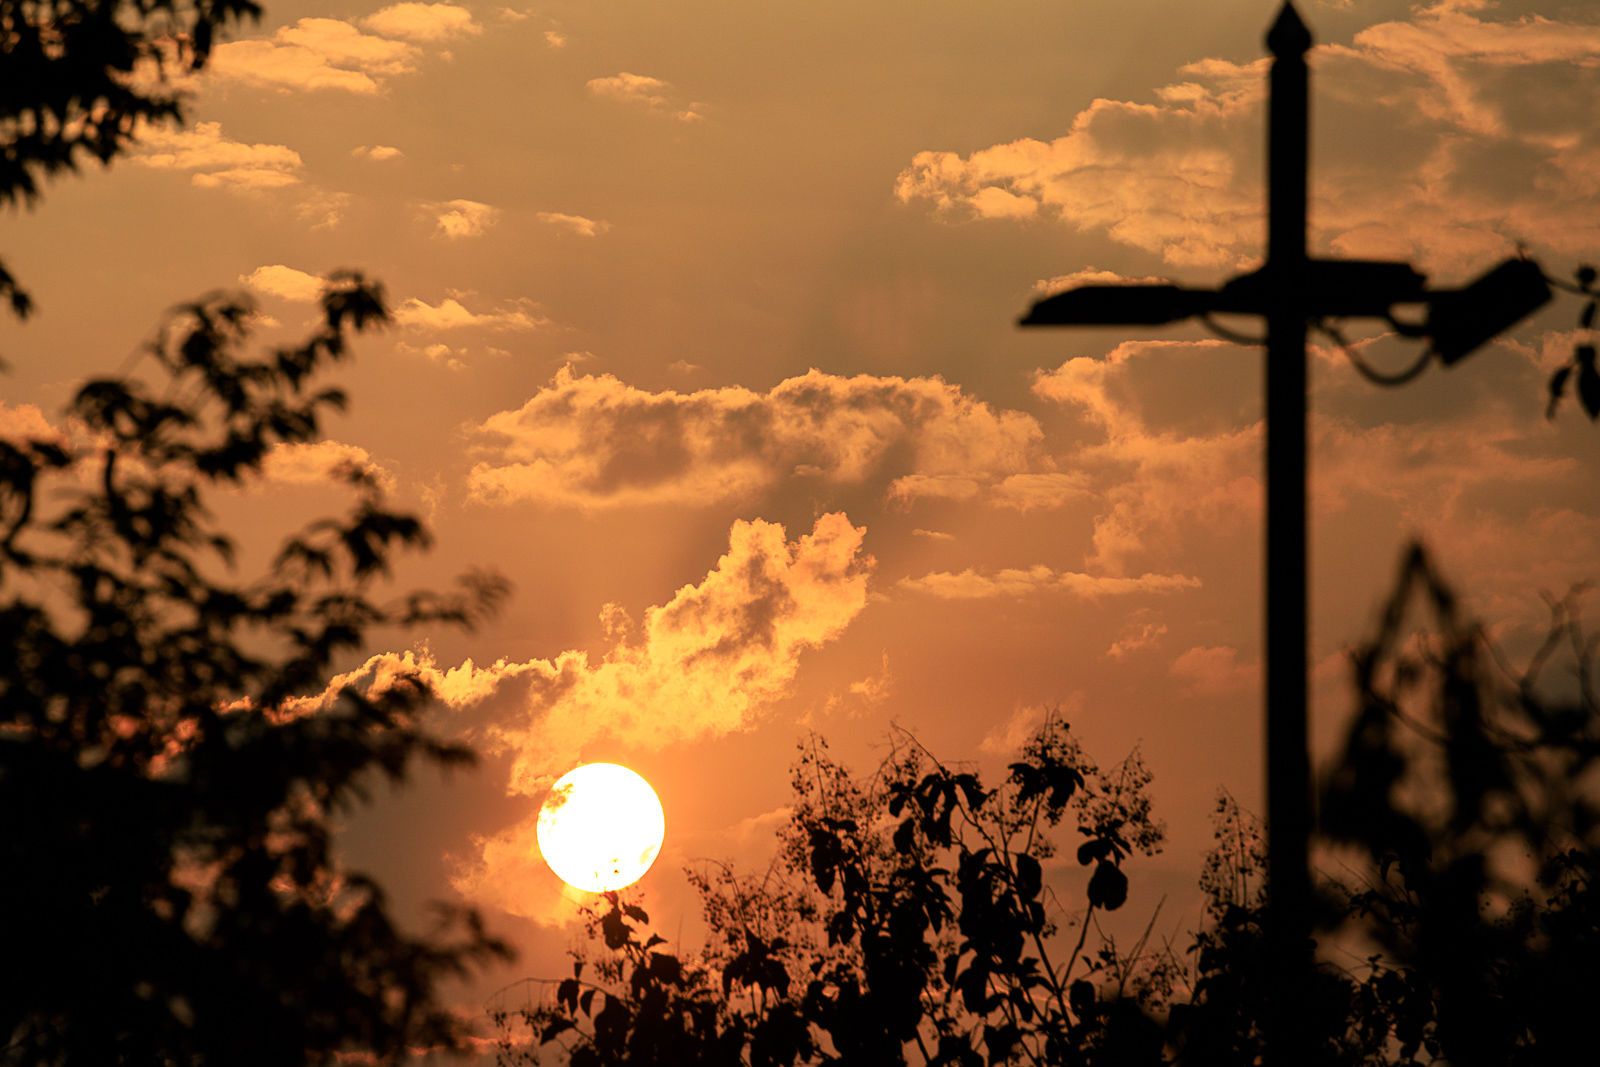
{"x": 1108, "y": 887}
{"x": 1588, "y": 381}
{"x": 1558, "y": 386}
{"x": 614, "y": 929}
{"x": 1081, "y": 996}
{"x": 1092, "y": 850}
{"x": 1029, "y": 877}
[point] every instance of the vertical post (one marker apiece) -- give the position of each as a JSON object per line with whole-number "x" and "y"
{"x": 1288, "y": 779}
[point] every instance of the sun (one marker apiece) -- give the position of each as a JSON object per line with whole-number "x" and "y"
{"x": 601, "y": 827}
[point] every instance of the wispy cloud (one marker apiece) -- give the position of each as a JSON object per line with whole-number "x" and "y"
{"x": 451, "y": 314}
{"x": 463, "y": 218}
{"x": 644, "y": 91}
{"x": 215, "y": 160}
{"x": 973, "y": 584}
{"x": 378, "y": 152}
{"x": 577, "y": 224}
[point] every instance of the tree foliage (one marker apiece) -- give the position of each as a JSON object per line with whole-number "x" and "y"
{"x": 911, "y": 916}
{"x": 1469, "y": 791}
{"x": 907, "y": 919}
{"x": 79, "y": 77}
{"x": 171, "y": 894}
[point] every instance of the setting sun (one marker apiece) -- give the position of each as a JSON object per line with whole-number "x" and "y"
{"x": 601, "y": 827}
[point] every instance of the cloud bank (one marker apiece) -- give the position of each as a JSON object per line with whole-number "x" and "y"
{"x": 594, "y": 442}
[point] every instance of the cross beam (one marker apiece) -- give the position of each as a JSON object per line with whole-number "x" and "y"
{"x": 1290, "y": 291}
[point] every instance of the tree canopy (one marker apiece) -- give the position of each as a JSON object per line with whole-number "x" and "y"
{"x": 172, "y": 893}
{"x": 80, "y": 77}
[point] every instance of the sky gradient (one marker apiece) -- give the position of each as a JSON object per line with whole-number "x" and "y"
{"x": 704, "y": 337}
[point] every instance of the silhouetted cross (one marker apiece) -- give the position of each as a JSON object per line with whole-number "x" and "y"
{"x": 1291, "y": 290}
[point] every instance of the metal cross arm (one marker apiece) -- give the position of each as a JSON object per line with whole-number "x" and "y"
{"x": 1457, "y": 321}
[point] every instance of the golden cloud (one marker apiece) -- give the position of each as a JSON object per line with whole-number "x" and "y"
{"x": 577, "y": 224}
{"x": 1149, "y": 487}
{"x": 423, "y": 22}
{"x": 315, "y": 54}
{"x": 463, "y": 218}
{"x": 378, "y": 152}
{"x": 216, "y": 159}
{"x": 704, "y": 664}
{"x": 708, "y": 661}
{"x": 594, "y": 442}
{"x": 284, "y": 282}
{"x": 316, "y": 462}
{"x": 451, "y": 314}
{"x": 644, "y": 91}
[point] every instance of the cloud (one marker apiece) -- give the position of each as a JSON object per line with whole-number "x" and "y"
{"x": 574, "y": 223}
{"x": 971, "y": 584}
{"x": 284, "y": 282}
{"x": 1089, "y": 276}
{"x": 20, "y": 422}
{"x": 555, "y": 39}
{"x": 1450, "y": 106}
{"x": 644, "y": 91}
{"x": 451, "y": 314}
{"x": 1150, "y": 488}
{"x": 321, "y": 209}
{"x": 1023, "y": 724}
{"x": 1047, "y": 489}
{"x": 317, "y": 462}
{"x": 216, "y": 160}
{"x": 1450, "y": 47}
{"x": 710, "y": 660}
{"x": 1137, "y": 635}
{"x": 1161, "y": 177}
{"x": 315, "y": 54}
{"x": 378, "y": 152}
{"x": 463, "y": 218}
{"x": 594, "y": 442}
{"x": 244, "y": 179}
{"x": 423, "y": 22}
{"x": 1214, "y": 671}
{"x": 1160, "y": 497}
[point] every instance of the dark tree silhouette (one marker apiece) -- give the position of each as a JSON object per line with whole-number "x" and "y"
{"x": 1471, "y": 791}
{"x": 77, "y": 77}
{"x": 170, "y": 892}
{"x": 907, "y": 920}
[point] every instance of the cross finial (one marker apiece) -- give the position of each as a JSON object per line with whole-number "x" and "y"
{"x": 1288, "y": 35}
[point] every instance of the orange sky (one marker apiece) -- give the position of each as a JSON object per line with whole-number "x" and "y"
{"x": 704, "y": 338}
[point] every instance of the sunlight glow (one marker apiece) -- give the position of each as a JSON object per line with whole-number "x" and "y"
{"x": 601, "y": 827}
